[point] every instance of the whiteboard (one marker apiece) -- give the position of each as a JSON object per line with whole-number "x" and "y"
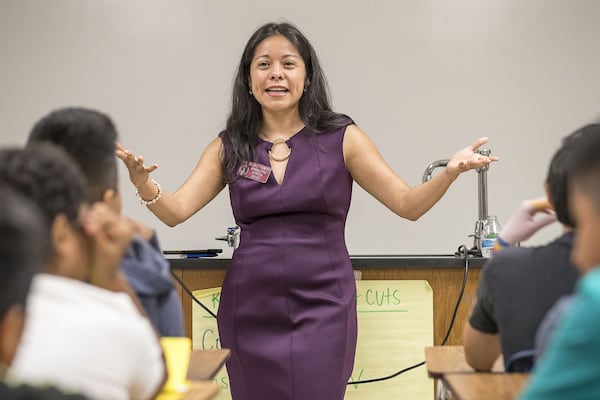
{"x": 423, "y": 78}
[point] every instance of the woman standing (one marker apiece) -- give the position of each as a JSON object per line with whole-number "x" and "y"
{"x": 288, "y": 310}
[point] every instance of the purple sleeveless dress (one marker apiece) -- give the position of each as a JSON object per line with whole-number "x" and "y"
{"x": 288, "y": 301}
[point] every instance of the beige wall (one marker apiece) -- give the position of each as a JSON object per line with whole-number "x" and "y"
{"x": 422, "y": 77}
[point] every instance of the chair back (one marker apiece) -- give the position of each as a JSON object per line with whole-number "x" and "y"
{"x": 521, "y": 361}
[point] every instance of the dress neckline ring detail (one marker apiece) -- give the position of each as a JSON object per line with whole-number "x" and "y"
{"x": 279, "y": 159}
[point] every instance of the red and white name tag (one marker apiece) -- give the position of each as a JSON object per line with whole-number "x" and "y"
{"x": 254, "y": 171}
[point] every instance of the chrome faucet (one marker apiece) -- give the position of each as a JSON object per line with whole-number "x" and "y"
{"x": 431, "y": 167}
{"x": 482, "y": 197}
{"x": 232, "y": 237}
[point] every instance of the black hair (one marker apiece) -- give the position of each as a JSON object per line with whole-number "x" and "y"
{"x": 245, "y": 118}
{"x": 23, "y": 244}
{"x": 89, "y": 137}
{"x": 46, "y": 175}
{"x": 586, "y": 162}
{"x": 558, "y": 183}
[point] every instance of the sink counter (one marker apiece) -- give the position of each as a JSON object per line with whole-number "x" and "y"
{"x": 358, "y": 261}
{"x": 415, "y": 261}
{"x": 444, "y": 272}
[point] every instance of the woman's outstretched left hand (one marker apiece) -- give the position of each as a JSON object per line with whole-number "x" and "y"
{"x": 468, "y": 158}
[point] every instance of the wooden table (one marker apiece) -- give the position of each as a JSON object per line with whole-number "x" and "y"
{"x": 448, "y": 365}
{"x": 204, "y": 364}
{"x": 485, "y": 385}
{"x": 451, "y": 359}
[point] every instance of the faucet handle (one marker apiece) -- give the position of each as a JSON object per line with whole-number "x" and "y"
{"x": 485, "y": 153}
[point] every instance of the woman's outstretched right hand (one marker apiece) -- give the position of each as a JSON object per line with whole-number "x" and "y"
{"x": 138, "y": 172}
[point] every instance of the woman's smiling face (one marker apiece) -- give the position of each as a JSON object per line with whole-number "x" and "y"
{"x": 277, "y": 74}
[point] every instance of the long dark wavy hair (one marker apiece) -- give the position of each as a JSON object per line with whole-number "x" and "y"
{"x": 245, "y": 119}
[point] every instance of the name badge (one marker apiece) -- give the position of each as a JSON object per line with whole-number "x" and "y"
{"x": 254, "y": 171}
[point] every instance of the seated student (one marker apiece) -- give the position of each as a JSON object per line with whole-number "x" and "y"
{"x": 562, "y": 305}
{"x": 569, "y": 369}
{"x": 23, "y": 243}
{"x": 519, "y": 285}
{"x": 84, "y": 331}
{"x": 89, "y": 137}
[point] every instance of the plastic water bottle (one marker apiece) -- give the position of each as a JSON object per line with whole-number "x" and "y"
{"x": 490, "y": 235}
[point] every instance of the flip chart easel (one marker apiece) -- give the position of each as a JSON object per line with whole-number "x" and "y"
{"x": 395, "y": 324}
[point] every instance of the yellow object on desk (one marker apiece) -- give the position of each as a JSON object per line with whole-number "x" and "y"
{"x": 177, "y": 357}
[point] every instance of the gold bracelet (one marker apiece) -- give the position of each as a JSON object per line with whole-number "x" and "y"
{"x": 152, "y": 201}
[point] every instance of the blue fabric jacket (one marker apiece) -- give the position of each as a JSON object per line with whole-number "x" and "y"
{"x": 148, "y": 273}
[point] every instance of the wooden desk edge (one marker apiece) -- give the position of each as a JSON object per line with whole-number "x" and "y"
{"x": 456, "y": 361}
{"x": 208, "y": 362}
{"x": 517, "y": 380}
